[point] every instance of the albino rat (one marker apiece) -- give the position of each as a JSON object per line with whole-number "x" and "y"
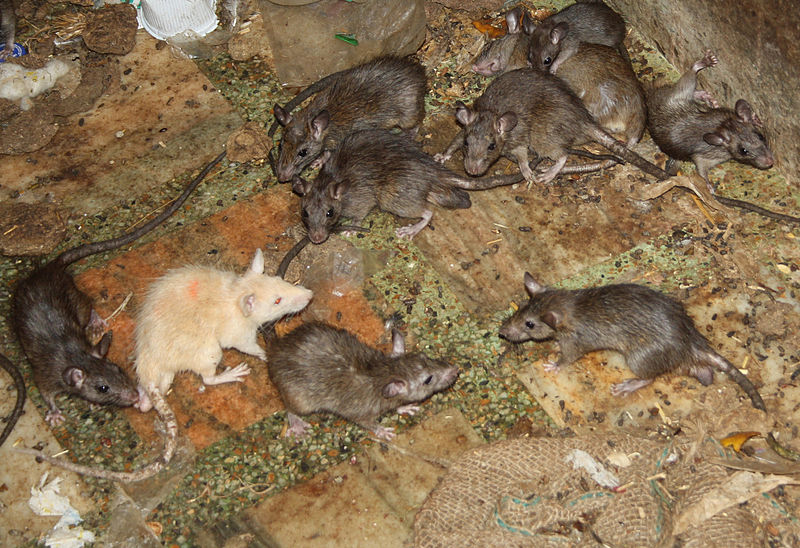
{"x": 191, "y": 313}
{"x": 526, "y": 110}
{"x": 318, "y": 367}
{"x": 557, "y": 38}
{"x": 377, "y": 168}
{"x": 651, "y": 330}
{"x": 508, "y": 52}
{"x": 386, "y": 92}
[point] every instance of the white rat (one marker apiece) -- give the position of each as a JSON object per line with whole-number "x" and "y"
{"x": 191, "y": 313}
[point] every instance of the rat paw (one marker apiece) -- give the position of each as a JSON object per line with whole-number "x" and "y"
{"x": 628, "y": 387}
{"x": 54, "y": 418}
{"x": 410, "y": 409}
{"x": 550, "y": 367}
{"x": 234, "y": 374}
{"x": 384, "y": 433}
{"x": 705, "y": 97}
{"x": 441, "y": 157}
{"x": 297, "y": 427}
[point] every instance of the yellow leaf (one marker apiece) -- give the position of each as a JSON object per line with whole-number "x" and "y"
{"x": 735, "y": 441}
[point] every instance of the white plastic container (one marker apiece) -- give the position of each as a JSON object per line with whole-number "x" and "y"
{"x": 166, "y": 18}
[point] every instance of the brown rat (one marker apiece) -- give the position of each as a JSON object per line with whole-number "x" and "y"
{"x": 8, "y": 27}
{"x": 651, "y": 330}
{"x": 508, "y": 52}
{"x": 378, "y": 168}
{"x": 54, "y": 321}
{"x": 607, "y": 85}
{"x": 318, "y": 367}
{"x": 191, "y": 313}
{"x": 19, "y": 384}
{"x": 557, "y": 37}
{"x": 526, "y": 110}
{"x": 687, "y": 124}
{"x": 386, "y": 92}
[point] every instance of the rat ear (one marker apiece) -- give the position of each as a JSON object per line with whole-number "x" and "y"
{"x": 528, "y": 26}
{"x": 559, "y": 32}
{"x": 513, "y": 19}
{"x": 398, "y": 343}
{"x": 74, "y": 377}
{"x": 552, "y": 318}
{"x": 283, "y": 117}
{"x": 718, "y": 138}
{"x": 247, "y": 303}
{"x": 257, "y": 265}
{"x": 300, "y": 186}
{"x": 101, "y": 348}
{"x": 320, "y": 124}
{"x": 324, "y": 157}
{"x": 394, "y": 388}
{"x": 744, "y": 111}
{"x": 464, "y": 115}
{"x": 506, "y": 122}
{"x": 532, "y": 286}
{"x": 337, "y": 189}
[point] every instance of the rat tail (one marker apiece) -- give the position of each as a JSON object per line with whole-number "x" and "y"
{"x": 738, "y": 377}
{"x": 619, "y": 149}
{"x": 449, "y": 197}
{"x": 170, "y": 443}
{"x": 77, "y": 253}
{"x": 19, "y": 383}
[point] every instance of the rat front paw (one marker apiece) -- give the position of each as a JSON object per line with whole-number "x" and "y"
{"x": 384, "y": 433}
{"x": 407, "y": 409}
{"x": 54, "y": 418}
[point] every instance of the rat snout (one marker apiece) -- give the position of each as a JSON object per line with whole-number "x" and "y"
{"x": 474, "y": 167}
{"x": 766, "y": 160}
{"x": 285, "y": 173}
{"x": 450, "y": 375}
{"x": 317, "y": 236}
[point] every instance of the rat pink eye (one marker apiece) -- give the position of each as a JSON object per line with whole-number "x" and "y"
{"x": 278, "y": 300}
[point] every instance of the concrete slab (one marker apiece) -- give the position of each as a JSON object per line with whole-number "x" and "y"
{"x": 371, "y": 500}
{"x": 18, "y": 473}
{"x": 154, "y": 125}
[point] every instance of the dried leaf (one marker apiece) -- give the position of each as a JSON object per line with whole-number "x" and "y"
{"x": 489, "y": 30}
{"x": 735, "y": 441}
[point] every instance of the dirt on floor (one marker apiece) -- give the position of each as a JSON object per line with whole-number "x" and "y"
{"x": 94, "y": 158}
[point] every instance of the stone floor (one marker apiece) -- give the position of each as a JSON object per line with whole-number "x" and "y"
{"x": 235, "y": 479}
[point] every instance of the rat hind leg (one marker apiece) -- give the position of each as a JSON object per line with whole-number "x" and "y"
{"x": 231, "y": 374}
{"x": 629, "y": 386}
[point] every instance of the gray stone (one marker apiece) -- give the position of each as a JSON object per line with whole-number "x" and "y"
{"x": 303, "y": 39}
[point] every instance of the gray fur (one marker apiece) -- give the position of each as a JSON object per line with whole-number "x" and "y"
{"x": 318, "y": 367}
{"x": 557, "y": 38}
{"x": 387, "y": 92}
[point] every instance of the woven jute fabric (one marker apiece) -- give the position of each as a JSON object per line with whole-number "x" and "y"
{"x": 528, "y": 492}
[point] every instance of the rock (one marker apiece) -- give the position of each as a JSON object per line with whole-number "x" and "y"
{"x": 30, "y": 229}
{"x": 112, "y": 29}
{"x": 303, "y": 39}
{"x": 28, "y": 131}
{"x": 250, "y": 142}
